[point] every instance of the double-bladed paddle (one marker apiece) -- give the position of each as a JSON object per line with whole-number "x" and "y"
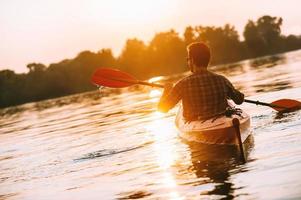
{"x": 114, "y": 78}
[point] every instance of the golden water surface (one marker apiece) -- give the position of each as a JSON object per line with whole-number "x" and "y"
{"x": 113, "y": 144}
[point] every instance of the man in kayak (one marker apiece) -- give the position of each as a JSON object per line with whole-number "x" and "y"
{"x": 204, "y": 94}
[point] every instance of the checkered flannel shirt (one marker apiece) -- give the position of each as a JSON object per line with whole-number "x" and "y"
{"x": 203, "y": 95}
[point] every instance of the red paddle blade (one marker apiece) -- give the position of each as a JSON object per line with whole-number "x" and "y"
{"x": 112, "y": 78}
{"x": 286, "y": 105}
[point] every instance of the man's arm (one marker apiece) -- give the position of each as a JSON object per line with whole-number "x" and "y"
{"x": 170, "y": 97}
{"x": 234, "y": 94}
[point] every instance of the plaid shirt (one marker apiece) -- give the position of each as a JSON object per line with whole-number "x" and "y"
{"x": 203, "y": 95}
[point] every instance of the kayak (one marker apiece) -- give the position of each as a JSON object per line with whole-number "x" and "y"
{"x": 221, "y": 130}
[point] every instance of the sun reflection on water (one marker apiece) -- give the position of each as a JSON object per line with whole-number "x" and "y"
{"x": 162, "y": 129}
{"x": 155, "y": 93}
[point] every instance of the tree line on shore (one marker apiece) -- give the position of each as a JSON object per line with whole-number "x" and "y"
{"x": 165, "y": 54}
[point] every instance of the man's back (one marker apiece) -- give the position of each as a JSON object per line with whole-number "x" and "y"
{"x": 203, "y": 95}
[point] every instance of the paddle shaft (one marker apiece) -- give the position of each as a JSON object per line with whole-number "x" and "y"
{"x": 137, "y": 82}
{"x": 263, "y": 103}
{"x": 134, "y": 81}
{"x": 150, "y": 84}
{"x": 246, "y": 100}
{"x": 114, "y": 78}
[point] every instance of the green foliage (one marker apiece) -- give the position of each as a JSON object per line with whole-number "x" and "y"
{"x": 165, "y": 54}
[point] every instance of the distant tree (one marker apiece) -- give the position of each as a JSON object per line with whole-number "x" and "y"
{"x": 264, "y": 36}
{"x": 255, "y": 42}
{"x": 36, "y": 67}
{"x": 292, "y": 42}
{"x": 270, "y": 28}
{"x": 167, "y": 53}
{"x": 11, "y": 88}
{"x": 189, "y": 35}
{"x": 223, "y": 42}
{"x": 133, "y": 58}
{"x": 77, "y": 72}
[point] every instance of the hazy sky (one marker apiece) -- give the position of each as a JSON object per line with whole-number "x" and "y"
{"x": 48, "y": 31}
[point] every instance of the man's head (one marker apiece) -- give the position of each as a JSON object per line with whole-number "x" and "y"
{"x": 198, "y": 55}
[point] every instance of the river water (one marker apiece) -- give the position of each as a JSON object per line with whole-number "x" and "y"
{"x": 113, "y": 144}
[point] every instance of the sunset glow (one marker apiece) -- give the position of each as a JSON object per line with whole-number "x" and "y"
{"x": 150, "y": 99}
{"x": 50, "y": 31}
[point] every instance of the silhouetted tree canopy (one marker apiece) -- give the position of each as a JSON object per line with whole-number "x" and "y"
{"x": 223, "y": 41}
{"x": 264, "y": 36}
{"x": 189, "y": 35}
{"x": 165, "y": 54}
{"x": 133, "y": 57}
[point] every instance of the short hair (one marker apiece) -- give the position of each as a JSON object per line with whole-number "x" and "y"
{"x": 200, "y": 53}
